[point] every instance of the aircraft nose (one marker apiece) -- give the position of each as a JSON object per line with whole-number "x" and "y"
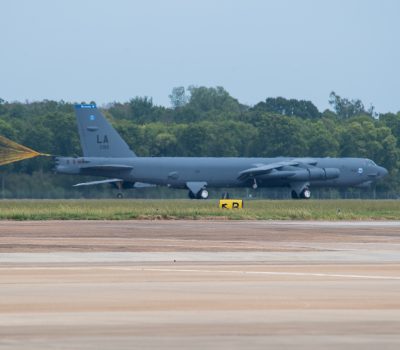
{"x": 382, "y": 171}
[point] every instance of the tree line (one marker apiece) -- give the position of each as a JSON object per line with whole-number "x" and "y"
{"x": 201, "y": 121}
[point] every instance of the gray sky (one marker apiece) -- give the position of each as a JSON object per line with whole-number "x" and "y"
{"x": 82, "y": 50}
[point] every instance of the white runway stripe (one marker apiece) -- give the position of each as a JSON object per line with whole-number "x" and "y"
{"x": 277, "y": 273}
{"x": 238, "y": 272}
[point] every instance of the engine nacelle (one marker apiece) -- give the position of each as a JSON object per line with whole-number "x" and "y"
{"x": 316, "y": 174}
{"x": 331, "y": 173}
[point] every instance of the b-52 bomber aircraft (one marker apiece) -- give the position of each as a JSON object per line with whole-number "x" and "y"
{"x": 106, "y": 154}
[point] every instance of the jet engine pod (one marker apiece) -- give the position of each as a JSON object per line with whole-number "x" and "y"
{"x": 309, "y": 174}
{"x": 332, "y": 173}
{"x": 317, "y": 173}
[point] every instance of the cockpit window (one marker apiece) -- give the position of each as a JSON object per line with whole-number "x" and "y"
{"x": 370, "y": 162}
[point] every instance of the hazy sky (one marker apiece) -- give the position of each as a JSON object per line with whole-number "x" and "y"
{"x": 82, "y": 50}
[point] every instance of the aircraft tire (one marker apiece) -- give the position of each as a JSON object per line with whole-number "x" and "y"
{"x": 294, "y": 195}
{"x": 191, "y": 195}
{"x": 120, "y": 195}
{"x": 306, "y": 193}
{"x": 203, "y": 194}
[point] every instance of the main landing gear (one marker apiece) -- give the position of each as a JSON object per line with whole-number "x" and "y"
{"x": 202, "y": 194}
{"x": 119, "y": 186}
{"x": 304, "y": 194}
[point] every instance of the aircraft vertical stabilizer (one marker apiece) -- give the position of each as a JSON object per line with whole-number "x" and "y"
{"x": 98, "y": 137}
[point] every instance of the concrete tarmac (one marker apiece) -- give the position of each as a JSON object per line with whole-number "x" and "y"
{"x": 199, "y": 284}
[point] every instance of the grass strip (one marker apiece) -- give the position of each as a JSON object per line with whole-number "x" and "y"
{"x": 195, "y": 210}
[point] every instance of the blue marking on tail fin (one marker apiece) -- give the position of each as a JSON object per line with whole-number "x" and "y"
{"x": 85, "y": 106}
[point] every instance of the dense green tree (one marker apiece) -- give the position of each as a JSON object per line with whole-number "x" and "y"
{"x": 322, "y": 142}
{"x": 64, "y": 138}
{"x": 207, "y": 99}
{"x": 133, "y": 135}
{"x": 280, "y": 136}
{"x": 292, "y": 107}
{"x": 392, "y": 121}
{"x": 178, "y": 97}
{"x": 194, "y": 139}
{"x": 2, "y": 108}
{"x": 346, "y": 108}
{"x": 370, "y": 140}
{"x": 7, "y": 130}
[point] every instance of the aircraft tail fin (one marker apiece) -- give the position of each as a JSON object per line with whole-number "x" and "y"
{"x": 98, "y": 138}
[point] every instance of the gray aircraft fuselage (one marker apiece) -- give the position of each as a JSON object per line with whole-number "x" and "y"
{"x": 107, "y": 155}
{"x": 176, "y": 172}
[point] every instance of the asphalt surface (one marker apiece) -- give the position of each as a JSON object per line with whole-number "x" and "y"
{"x": 199, "y": 284}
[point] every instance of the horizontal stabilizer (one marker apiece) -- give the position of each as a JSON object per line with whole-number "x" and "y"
{"x": 110, "y": 181}
{"x": 90, "y": 183}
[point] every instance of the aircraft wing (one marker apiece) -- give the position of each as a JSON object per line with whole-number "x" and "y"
{"x": 273, "y": 168}
{"x": 90, "y": 183}
{"x": 108, "y": 181}
{"x": 265, "y": 169}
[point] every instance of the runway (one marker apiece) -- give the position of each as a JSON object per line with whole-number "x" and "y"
{"x": 199, "y": 284}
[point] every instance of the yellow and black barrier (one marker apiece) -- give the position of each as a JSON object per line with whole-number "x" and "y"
{"x": 231, "y": 203}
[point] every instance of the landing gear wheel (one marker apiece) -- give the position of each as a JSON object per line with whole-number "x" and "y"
{"x": 120, "y": 195}
{"x": 306, "y": 193}
{"x": 203, "y": 194}
{"x": 294, "y": 195}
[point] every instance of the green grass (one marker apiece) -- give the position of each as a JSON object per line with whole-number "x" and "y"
{"x": 186, "y": 209}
